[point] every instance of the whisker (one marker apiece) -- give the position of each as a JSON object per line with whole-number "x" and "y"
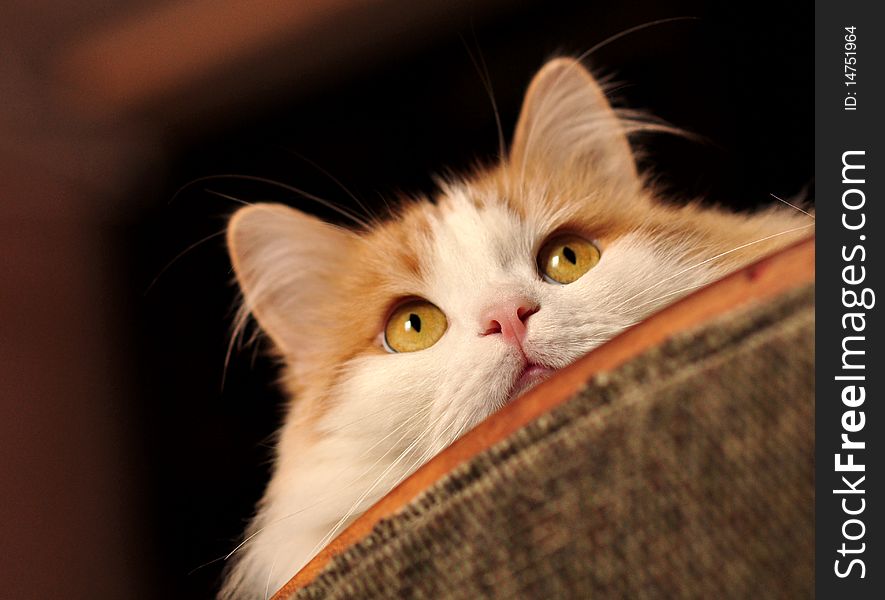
{"x": 269, "y": 573}
{"x": 712, "y": 258}
{"x": 483, "y": 72}
{"x": 228, "y": 197}
{"x": 321, "y": 201}
{"x": 240, "y": 322}
{"x": 326, "y": 538}
{"x": 179, "y": 256}
{"x": 334, "y": 180}
{"x": 371, "y": 488}
{"x": 667, "y": 295}
{"x": 325, "y": 497}
{"x": 204, "y": 565}
{"x": 431, "y": 450}
{"x": 634, "y": 29}
{"x": 792, "y": 206}
{"x": 386, "y": 407}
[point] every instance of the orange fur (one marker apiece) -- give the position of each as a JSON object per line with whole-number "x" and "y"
{"x": 322, "y": 294}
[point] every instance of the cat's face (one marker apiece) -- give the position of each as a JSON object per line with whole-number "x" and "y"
{"x": 401, "y": 335}
{"x": 477, "y": 258}
{"x": 507, "y": 322}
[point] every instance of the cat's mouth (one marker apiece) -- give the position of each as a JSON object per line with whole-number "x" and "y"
{"x": 531, "y": 375}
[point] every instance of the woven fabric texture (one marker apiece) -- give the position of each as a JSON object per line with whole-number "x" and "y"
{"x": 686, "y": 473}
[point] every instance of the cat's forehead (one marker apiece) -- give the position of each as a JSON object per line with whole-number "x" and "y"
{"x": 472, "y": 231}
{"x": 454, "y": 246}
{"x": 486, "y": 232}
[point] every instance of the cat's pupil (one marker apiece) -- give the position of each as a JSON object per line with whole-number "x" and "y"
{"x": 570, "y": 255}
{"x": 415, "y": 322}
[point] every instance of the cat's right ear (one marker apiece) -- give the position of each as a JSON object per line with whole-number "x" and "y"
{"x": 568, "y": 126}
{"x": 286, "y": 263}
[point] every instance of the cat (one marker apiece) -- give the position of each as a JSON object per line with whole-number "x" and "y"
{"x": 398, "y": 337}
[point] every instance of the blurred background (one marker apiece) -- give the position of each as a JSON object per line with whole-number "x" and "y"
{"x": 132, "y": 450}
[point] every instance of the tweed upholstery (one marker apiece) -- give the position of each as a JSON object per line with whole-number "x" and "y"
{"x": 686, "y": 473}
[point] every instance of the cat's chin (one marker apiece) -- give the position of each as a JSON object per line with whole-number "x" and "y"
{"x": 531, "y": 375}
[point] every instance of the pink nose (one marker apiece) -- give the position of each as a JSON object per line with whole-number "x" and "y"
{"x": 509, "y": 318}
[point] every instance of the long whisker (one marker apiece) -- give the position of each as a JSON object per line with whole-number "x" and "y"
{"x": 227, "y": 197}
{"x": 443, "y": 435}
{"x": 269, "y": 573}
{"x": 483, "y": 72}
{"x": 712, "y": 258}
{"x": 371, "y": 488}
{"x": 240, "y": 322}
{"x": 325, "y": 497}
{"x": 428, "y": 453}
{"x": 179, "y": 256}
{"x": 431, "y": 451}
{"x": 668, "y": 294}
{"x": 195, "y": 244}
{"x": 365, "y": 494}
{"x": 321, "y": 201}
{"x": 416, "y": 416}
{"x": 811, "y": 216}
{"x": 634, "y": 29}
{"x": 361, "y": 419}
{"x": 204, "y": 565}
{"x": 334, "y": 180}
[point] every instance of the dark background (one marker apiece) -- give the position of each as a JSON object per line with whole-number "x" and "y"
{"x": 192, "y": 455}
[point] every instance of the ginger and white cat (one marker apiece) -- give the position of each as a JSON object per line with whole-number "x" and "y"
{"x": 399, "y": 337}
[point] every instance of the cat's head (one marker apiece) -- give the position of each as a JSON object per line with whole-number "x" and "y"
{"x": 445, "y": 312}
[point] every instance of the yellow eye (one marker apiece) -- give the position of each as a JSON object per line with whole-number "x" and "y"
{"x": 414, "y": 325}
{"x": 565, "y": 258}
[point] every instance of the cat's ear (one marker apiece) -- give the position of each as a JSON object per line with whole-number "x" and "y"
{"x": 286, "y": 264}
{"x": 567, "y": 123}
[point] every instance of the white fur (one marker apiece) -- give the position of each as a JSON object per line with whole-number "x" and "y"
{"x": 394, "y": 411}
{"x": 389, "y": 413}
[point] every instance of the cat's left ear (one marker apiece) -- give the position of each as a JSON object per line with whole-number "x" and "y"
{"x": 566, "y": 123}
{"x": 287, "y": 263}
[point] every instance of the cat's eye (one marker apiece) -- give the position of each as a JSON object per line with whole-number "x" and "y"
{"x": 565, "y": 258}
{"x": 414, "y": 325}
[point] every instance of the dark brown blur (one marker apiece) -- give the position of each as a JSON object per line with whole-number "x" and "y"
{"x": 126, "y": 467}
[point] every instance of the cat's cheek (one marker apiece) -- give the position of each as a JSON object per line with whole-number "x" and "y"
{"x": 398, "y": 383}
